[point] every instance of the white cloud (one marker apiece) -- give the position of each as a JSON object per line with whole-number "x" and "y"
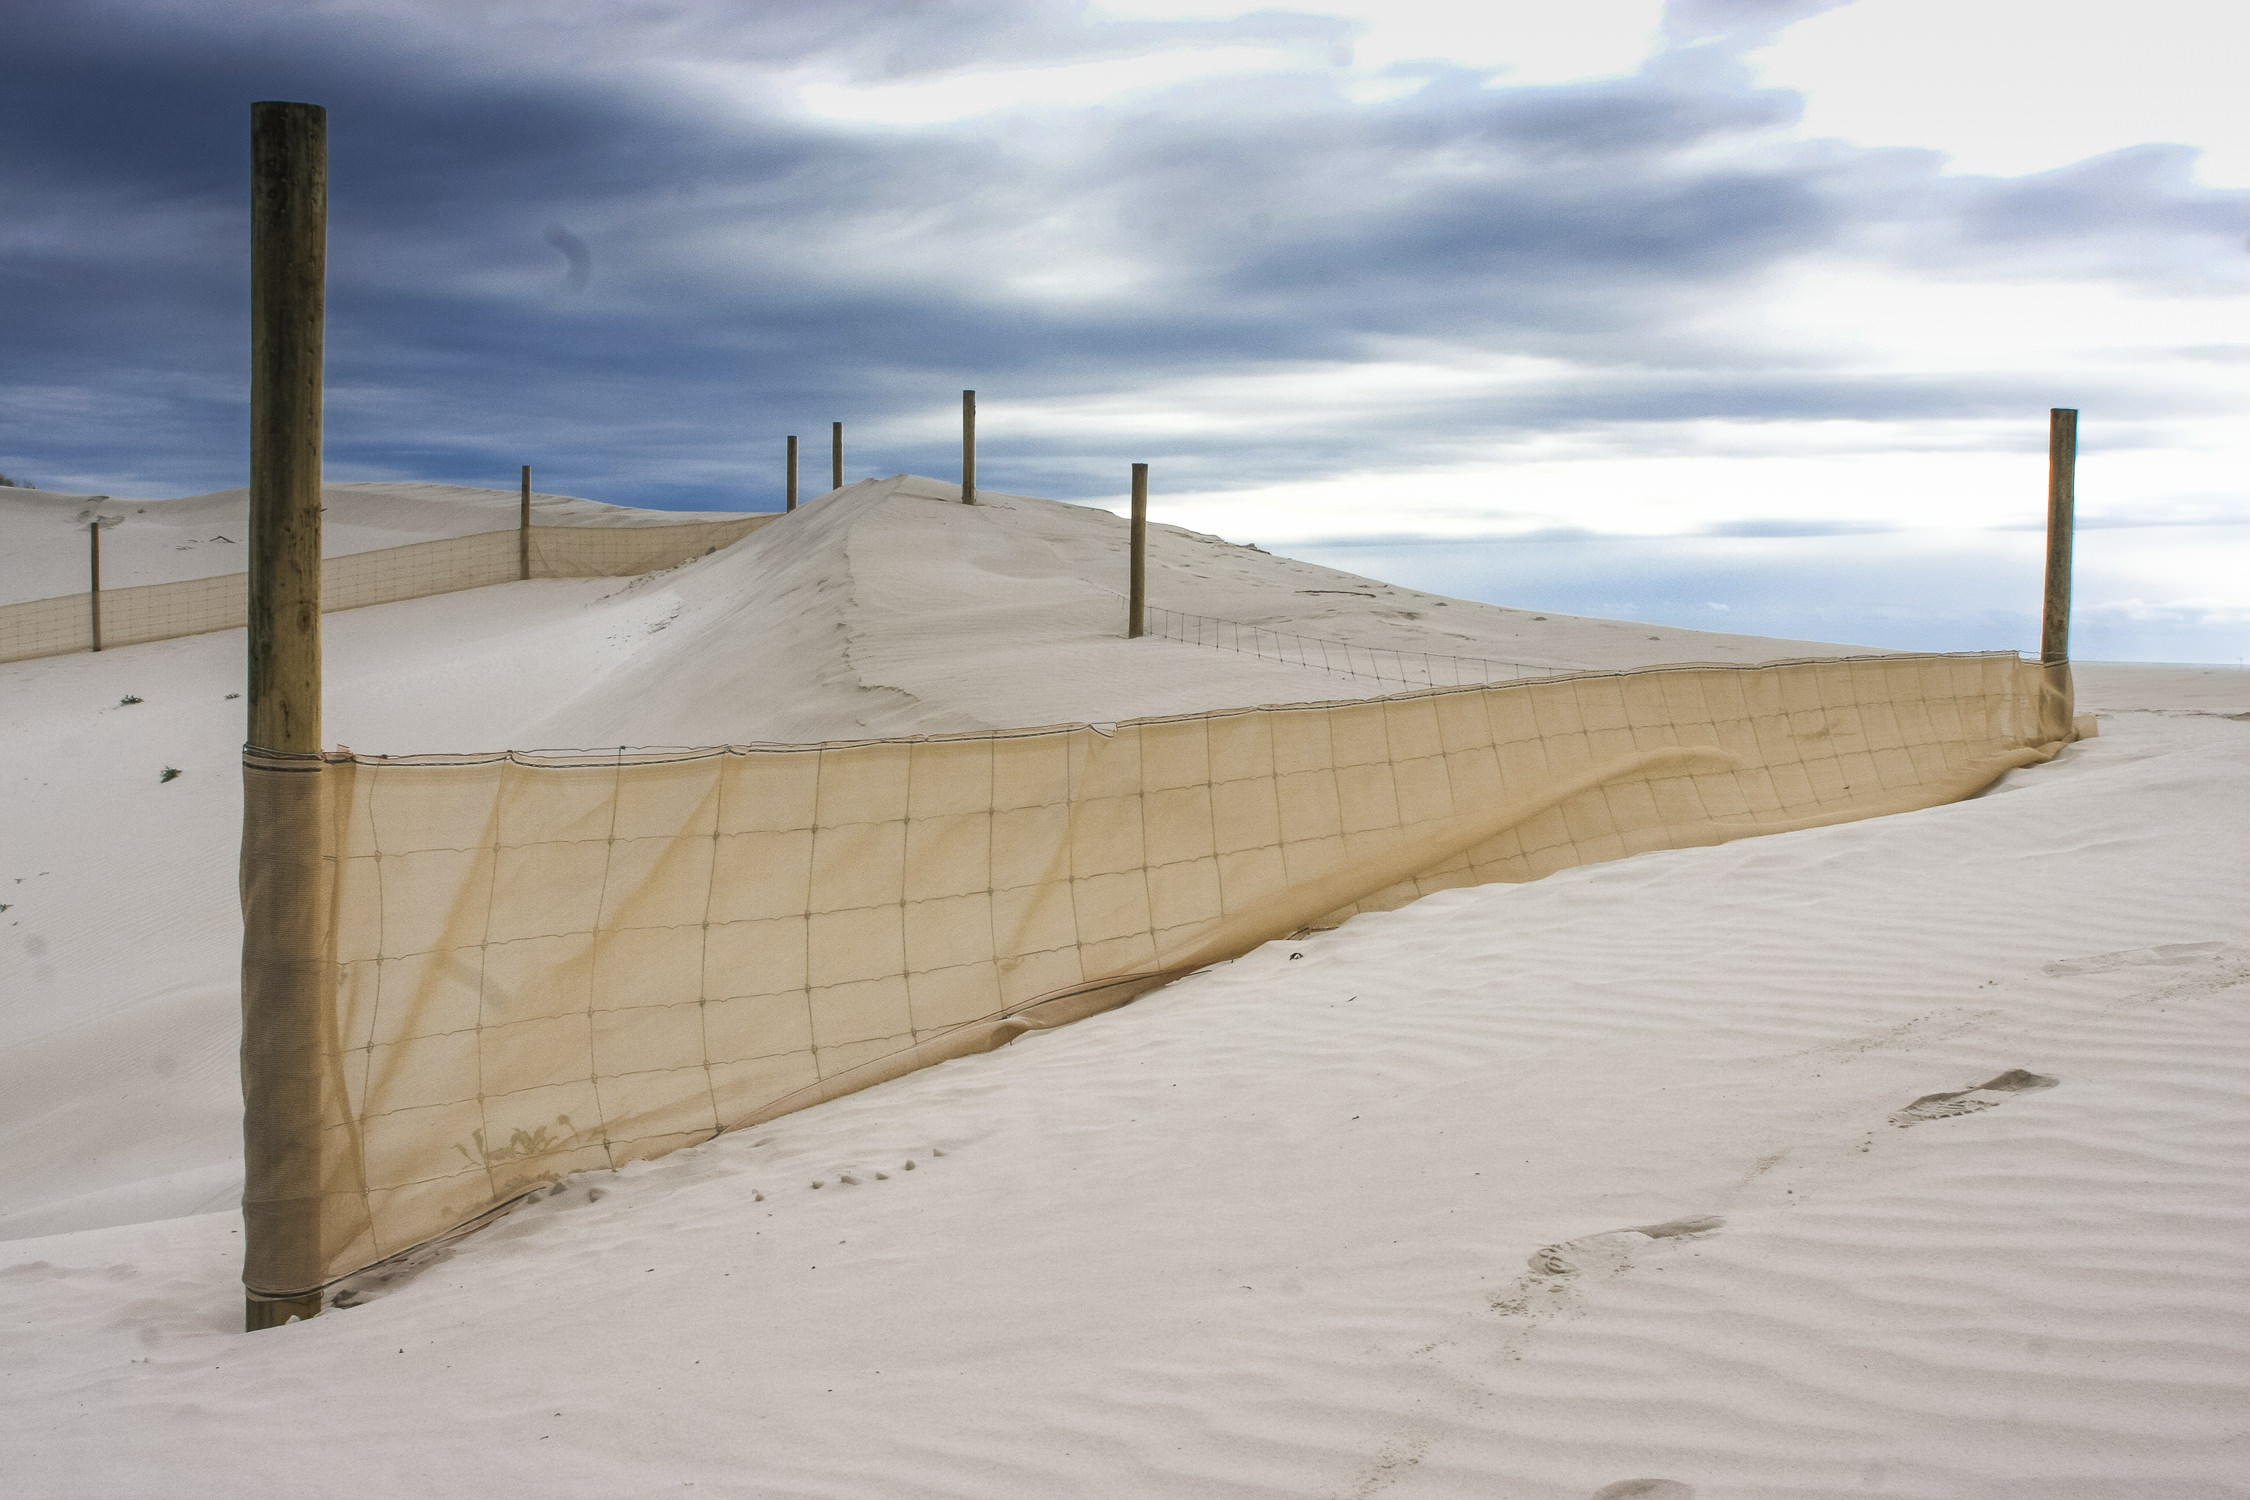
{"x": 962, "y": 96}
{"x": 2016, "y": 86}
{"x": 1878, "y": 319}
{"x": 1591, "y": 481}
{"x": 1529, "y": 41}
{"x": 1536, "y": 41}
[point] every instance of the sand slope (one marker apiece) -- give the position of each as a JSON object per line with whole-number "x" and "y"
{"x": 890, "y": 608}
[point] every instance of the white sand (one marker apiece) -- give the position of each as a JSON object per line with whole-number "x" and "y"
{"x": 1266, "y": 1232}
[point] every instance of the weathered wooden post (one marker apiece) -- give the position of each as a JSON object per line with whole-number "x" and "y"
{"x": 283, "y": 887}
{"x": 792, "y": 504}
{"x": 1136, "y": 607}
{"x": 523, "y": 529}
{"x": 968, "y": 447}
{"x": 94, "y": 568}
{"x": 2062, "y": 505}
{"x": 835, "y": 455}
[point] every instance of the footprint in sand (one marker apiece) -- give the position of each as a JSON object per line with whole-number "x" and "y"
{"x": 1645, "y": 1489}
{"x": 1614, "y": 1250}
{"x": 2167, "y": 955}
{"x": 1968, "y": 1101}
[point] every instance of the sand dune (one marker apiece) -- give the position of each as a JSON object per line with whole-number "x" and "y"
{"x": 1588, "y": 1186}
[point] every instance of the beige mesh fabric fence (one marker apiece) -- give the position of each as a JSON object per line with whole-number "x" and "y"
{"x": 539, "y": 964}
{"x": 161, "y": 611}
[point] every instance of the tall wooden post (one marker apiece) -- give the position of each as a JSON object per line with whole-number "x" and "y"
{"x": 2062, "y": 505}
{"x": 968, "y": 447}
{"x": 835, "y": 455}
{"x": 94, "y": 568}
{"x": 288, "y": 273}
{"x": 1136, "y": 607}
{"x": 792, "y": 474}
{"x": 283, "y": 956}
{"x": 2054, "y": 625}
{"x": 523, "y": 529}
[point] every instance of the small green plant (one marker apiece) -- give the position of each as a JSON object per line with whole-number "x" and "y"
{"x": 128, "y": 700}
{"x": 171, "y": 773}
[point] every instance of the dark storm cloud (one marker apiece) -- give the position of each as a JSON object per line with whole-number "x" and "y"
{"x": 578, "y": 262}
{"x": 763, "y": 272}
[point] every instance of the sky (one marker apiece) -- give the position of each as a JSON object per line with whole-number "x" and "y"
{"x": 1740, "y": 313}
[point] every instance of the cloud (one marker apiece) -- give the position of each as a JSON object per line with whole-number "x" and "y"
{"x": 766, "y": 267}
{"x": 578, "y": 261}
{"x": 2011, "y": 87}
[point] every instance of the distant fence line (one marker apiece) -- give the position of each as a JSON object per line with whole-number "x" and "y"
{"x": 193, "y": 606}
{"x": 1411, "y": 669}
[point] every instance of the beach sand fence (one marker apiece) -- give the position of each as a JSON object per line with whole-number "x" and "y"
{"x": 161, "y": 611}
{"x": 531, "y": 965}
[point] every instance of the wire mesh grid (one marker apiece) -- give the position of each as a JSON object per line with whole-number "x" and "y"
{"x": 1383, "y": 664}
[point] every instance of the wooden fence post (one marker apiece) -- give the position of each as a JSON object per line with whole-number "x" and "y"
{"x": 94, "y": 564}
{"x": 1136, "y": 607}
{"x": 2062, "y": 504}
{"x": 289, "y": 251}
{"x": 968, "y": 447}
{"x": 836, "y": 455}
{"x": 2054, "y": 624}
{"x": 282, "y": 875}
{"x": 523, "y": 529}
{"x": 284, "y": 932}
{"x": 792, "y": 503}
